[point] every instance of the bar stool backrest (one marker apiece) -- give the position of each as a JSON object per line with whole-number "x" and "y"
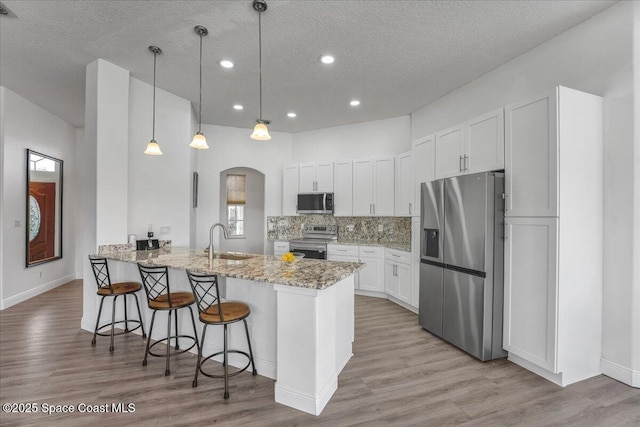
{"x": 101, "y": 272}
{"x": 205, "y": 288}
{"x": 156, "y": 282}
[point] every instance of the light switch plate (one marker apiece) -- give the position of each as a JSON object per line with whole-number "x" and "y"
{"x": 165, "y": 229}
{"x": 380, "y": 228}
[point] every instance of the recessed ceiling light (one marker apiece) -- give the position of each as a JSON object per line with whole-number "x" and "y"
{"x": 291, "y": 114}
{"x": 238, "y": 107}
{"x": 354, "y": 103}
{"x": 225, "y": 63}
{"x": 327, "y": 59}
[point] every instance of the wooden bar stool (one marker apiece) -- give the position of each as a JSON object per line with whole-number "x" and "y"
{"x": 160, "y": 298}
{"x": 215, "y": 312}
{"x": 108, "y": 289}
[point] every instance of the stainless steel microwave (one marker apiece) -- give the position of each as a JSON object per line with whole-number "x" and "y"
{"x": 315, "y": 203}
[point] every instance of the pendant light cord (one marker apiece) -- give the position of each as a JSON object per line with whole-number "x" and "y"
{"x": 200, "y": 102}
{"x": 153, "y": 133}
{"x": 260, "y": 57}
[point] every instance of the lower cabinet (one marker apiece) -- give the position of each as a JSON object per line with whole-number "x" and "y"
{"x": 280, "y": 248}
{"x": 371, "y": 276}
{"x": 344, "y": 253}
{"x": 397, "y": 266}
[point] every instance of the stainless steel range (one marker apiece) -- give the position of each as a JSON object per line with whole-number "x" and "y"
{"x": 314, "y": 240}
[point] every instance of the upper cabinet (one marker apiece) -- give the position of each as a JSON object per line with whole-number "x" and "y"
{"x": 374, "y": 186}
{"x": 424, "y": 167}
{"x": 343, "y": 191}
{"x": 474, "y": 146}
{"x": 289, "y": 189}
{"x": 531, "y": 157}
{"x": 404, "y": 185}
{"x": 316, "y": 177}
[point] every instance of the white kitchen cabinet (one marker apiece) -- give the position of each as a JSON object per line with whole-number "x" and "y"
{"x": 343, "y": 188}
{"x": 289, "y": 190}
{"x": 476, "y": 145}
{"x": 345, "y": 253}
{"x": 316, "y": 177}
{"x": 553, "y": 230}
{"x": 423, "y": 154}
{"x": 374, "y": 186}
{"x": 404, "y": 185}
{"x": 449, "y": 146}
{"x": 398, "y": 274}
{"x": 530, "y": 291}
{"x": 280, "y": 247}
{"x": 372, "y": 275}
{"x": 531, "y": 156}
{"x": 415, "y": 262}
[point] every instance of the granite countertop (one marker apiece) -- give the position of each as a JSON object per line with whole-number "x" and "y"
{"x": 304, "y": 273}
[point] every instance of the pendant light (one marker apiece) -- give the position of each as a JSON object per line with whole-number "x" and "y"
{"x": 260, "y": 131}
{"x": 199, "y": 141}
{"x": 153, "y": 148}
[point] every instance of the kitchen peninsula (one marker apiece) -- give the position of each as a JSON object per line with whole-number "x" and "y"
{"x": 302, "y": 313}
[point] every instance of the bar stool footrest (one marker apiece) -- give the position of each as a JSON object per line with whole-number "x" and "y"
{"x": 121, "y": 332}
{"x": 172, "y": 352}
{"x": 232, "y": 374}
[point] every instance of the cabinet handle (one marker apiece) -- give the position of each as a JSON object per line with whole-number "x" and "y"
{"x": 466, "y": 162}
{"x": 410, "y": 206}
{"x": 370, "y": 209}
{"x": 506, "y": 237}
{"x": 374, "y": 208}
{"x": 460, "y": 164}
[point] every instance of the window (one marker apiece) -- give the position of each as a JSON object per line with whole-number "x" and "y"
{"x": 236, "y": 199}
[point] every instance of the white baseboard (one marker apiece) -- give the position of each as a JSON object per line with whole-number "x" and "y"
{"x": 402, "y": 304}
{"x": 304, "y": 402}
{"x": 370, "y": 293}
{"x": 620, "y": 373}
{"x": 547, "y": 375}
{"x": 23, "y": 296}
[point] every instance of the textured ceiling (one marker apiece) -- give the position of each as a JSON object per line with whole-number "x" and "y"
{"x": 394, "y": 56}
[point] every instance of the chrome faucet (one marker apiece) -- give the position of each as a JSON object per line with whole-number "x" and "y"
{"x": 225, "y": 232}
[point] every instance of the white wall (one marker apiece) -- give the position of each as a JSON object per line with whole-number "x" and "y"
{"x": 595, "y": 57}
{"x": 229, "y": 148}
{"x": 159, "y": 186}
{"x": 25, "y": 125}
{"x": 355, "y": 141}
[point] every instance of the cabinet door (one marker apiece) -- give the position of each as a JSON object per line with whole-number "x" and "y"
{"x": 362, "y": 187}
{"x": 390, "y": 279}
{"x": 289, "y": 190}
{"x": 307, "y": 178}
{"x": 415, "y": 262}
{"x": 343, "y": 192}
{"x": 424, "y": 164}
{"x": 384, "y": 186}
{"x": 449, "y": 145}
{"x": 531, "y": 157}
{"x": 324, "y": 177}
{"x": 371, "y": 276}
{"x": 485, "y": 143}
{"x": 403, "y": 276}
{"x": 345, "y": 258}
{"x": 404, "y": 185}
{"x": 531, "y": 290}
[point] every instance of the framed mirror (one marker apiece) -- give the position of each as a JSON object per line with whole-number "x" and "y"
{"x": 44, "y": 209}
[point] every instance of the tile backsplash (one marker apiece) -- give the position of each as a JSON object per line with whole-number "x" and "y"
{"x": 350, "y": 228}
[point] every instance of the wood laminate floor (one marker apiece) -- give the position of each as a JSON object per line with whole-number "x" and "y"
{"x": 399, "y": 375}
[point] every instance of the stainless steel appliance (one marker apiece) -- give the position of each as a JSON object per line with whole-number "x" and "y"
{"x": 461, "y": 262}
{"x": 315, "y": 203}
{"x": 314, "y": 240}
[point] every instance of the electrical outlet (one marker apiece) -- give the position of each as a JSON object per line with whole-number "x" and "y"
{"x": 350, "y": 227}
{"x": 165, "y": 229}
{"x": 380, "y": 228}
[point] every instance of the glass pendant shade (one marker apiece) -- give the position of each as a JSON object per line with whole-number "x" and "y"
{"x": 199, "y": 142}
{"x": 260, "y": 132}
{"x": 153, "y": 149}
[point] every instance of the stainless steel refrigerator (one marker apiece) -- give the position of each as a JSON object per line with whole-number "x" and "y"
{"x": 461, "y": 262}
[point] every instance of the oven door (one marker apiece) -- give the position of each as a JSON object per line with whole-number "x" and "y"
{"x": 312, "y": 251}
